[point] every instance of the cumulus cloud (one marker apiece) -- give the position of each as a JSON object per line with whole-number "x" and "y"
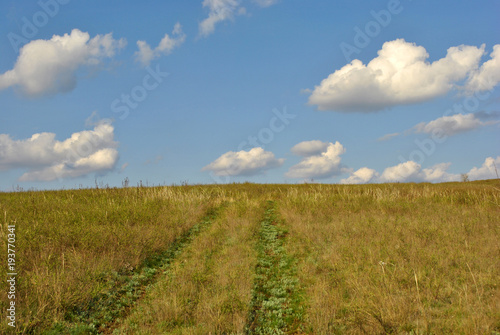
{"x": 317, "y": 163}
{"x": 310, "y": 148}
{"x": 85, "y": 152}
{"x": 244, "y": 163}
{"x": 400, "y": 74}
{"x": 452, "y": 125}
{"x": 488, "y": 170}
{"x": 412, "y": 172}
{"x": 50, "y": 66}
{"x": 361, "y": 176}
{"x": 409, "y": 171}
{"x": 219, "y": 10}
{"x": 488, "y": 75}
{"x": 167, "y": 44}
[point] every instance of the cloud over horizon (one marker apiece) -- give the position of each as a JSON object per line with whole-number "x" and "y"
{"x": 85, "y": 152}
{"x": 361, "y": 176}
{"x": 401, "y": 75}
{"x": 244, "y": 163}
{"x": 411, "y": 171}
{"x": 488, "y": 170}
{"x": 49, "y": 66}
{"x": 321, "y": 160}
{"x": 167, "y": 44}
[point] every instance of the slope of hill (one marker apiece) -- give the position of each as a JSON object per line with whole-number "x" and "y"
{"x": 249, "y": 258}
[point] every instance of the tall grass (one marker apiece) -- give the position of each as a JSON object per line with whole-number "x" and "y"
{"x": 394, "y": 258}
{"x": 70, "y": 242}
{"x": 207, "y": 290}
{"x": 397, "y": 258}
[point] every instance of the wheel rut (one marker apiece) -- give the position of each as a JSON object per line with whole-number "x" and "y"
{"x": 101, "y": 314}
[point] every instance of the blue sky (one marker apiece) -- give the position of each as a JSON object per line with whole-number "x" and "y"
{"x": 220, "y": 91}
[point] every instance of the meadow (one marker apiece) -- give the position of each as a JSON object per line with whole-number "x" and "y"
{"x": 255, "y": 259}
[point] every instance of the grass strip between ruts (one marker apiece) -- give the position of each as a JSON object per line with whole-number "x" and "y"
{"x": 276, "y": 306}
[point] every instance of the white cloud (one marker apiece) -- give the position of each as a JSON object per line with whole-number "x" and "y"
{"x": 320, "y": 165}
{"x": 85, "y": 152}
{"x": 98, "y": 162}
{"x": 488, "y": 75}
{"x": 220, "y": 10}
{"x": 452, "y": 125}
{"x": 405, "y": 172}
{"x": 412, "y": 172}
{"x": 50, "y": 66}
{"x": 223, "y": 10}
{"x": 488, "y": 170}
{"x": 266, "y": 3}
{"x": 310, "y": 148}
{"x": 400, "y": 74}
{"x": 361, "y": 176}
{"x": 168, "y": 43}
{"x": 244, "y": 163}
{"x": 438, "y": 174}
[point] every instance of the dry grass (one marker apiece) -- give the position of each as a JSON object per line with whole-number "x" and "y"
{"x": 397, "y": 258}
{"x": 68, "y": 241}
{"x": 208, "y": 288}
{"x": 400, "y": 258}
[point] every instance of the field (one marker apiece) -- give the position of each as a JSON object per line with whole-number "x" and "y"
{"x": 255, "y": 259}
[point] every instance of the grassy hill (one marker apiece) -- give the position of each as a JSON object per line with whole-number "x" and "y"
{"x": 258, "y": 259}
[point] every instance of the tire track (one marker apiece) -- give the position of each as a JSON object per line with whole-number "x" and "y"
{"x": 276, "y": 306}
{"x": 100, "y": 315}
{"x": 208, "y": 288}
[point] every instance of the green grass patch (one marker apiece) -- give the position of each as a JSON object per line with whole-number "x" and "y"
{"x": 276, "y": 304}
